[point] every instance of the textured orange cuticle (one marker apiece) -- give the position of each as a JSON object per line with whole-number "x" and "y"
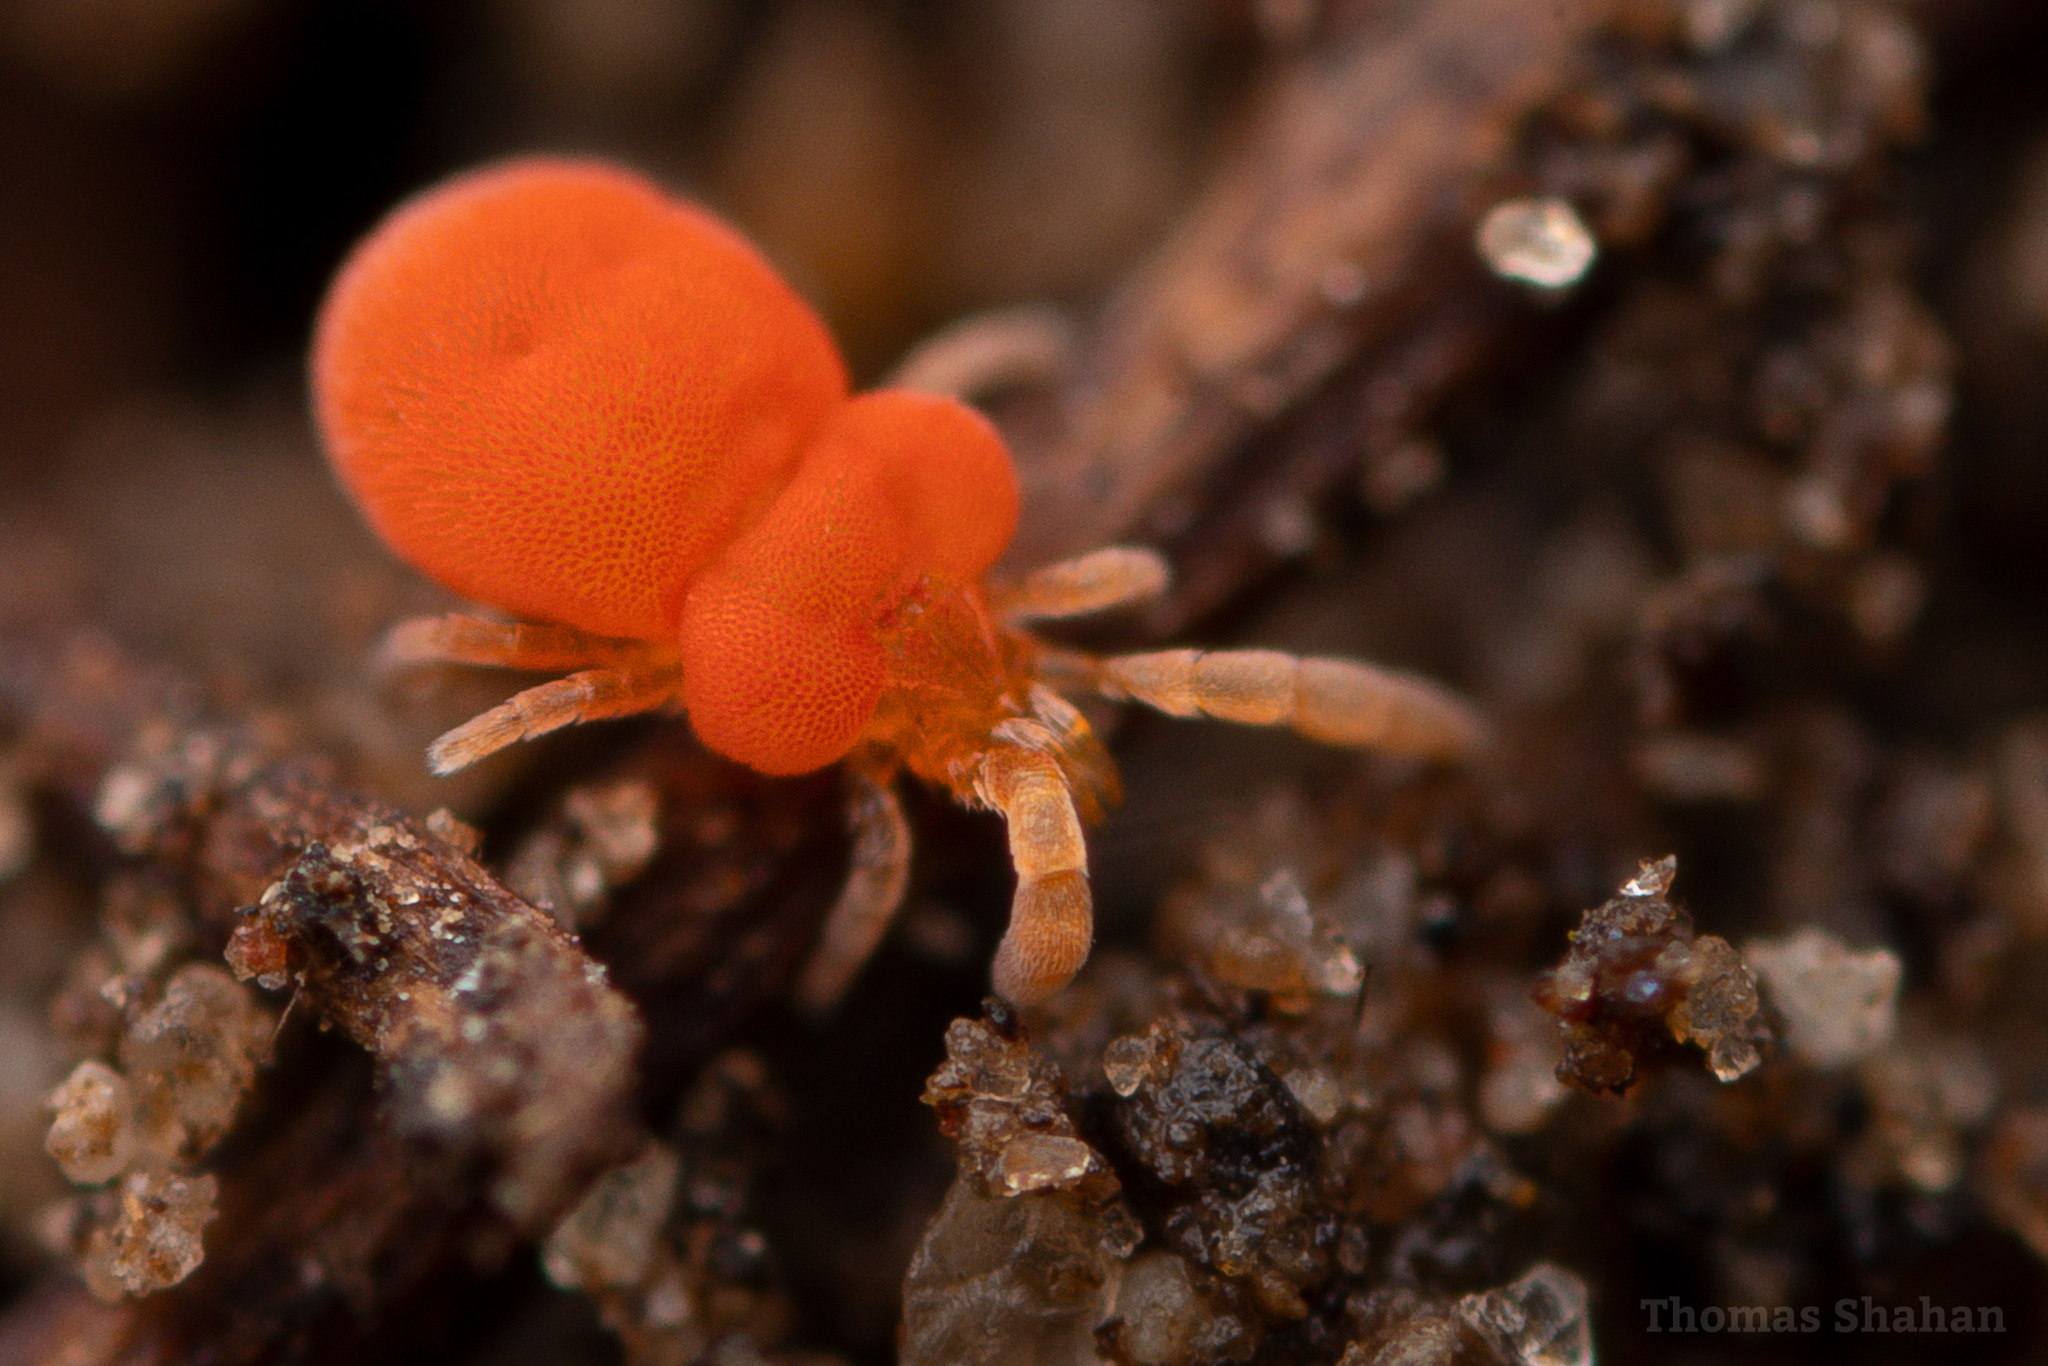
{"x": 895, "y": 487}
{"x": 527, "y": 379}
{"x": 553, "y": 389}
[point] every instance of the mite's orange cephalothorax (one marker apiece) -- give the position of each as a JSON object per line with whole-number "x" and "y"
{"x": 552, "y": 388}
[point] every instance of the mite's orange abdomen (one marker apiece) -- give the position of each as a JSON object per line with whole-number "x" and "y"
{"x": 551, "y": 388}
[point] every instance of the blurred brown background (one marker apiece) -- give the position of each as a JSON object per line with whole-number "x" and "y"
{"x": 178, "y": 178}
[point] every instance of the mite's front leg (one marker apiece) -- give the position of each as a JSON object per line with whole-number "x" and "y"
{"x": 544, "y": 648}
{"x": 592, "y": 695}
{"x": 616, "y": 678}
{"x": 1052, "y": 923}
{"x": 1336, "y": 701}
{"x": 875, "y": 880}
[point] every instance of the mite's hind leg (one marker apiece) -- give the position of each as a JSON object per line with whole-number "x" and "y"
{"x": 1052, "y": 923}
{"x": 1337, "y": 701}
{"x": 591, "y": 695}
{"x": 1115, "y": 576}
{"x": 879, "y": 872}
{"x": 456, "y": 639}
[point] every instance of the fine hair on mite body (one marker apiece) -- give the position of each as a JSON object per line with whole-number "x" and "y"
{"x": 553, "y": 389}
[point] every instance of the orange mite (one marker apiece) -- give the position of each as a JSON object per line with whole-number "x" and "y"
{"x": 553, "y": 389}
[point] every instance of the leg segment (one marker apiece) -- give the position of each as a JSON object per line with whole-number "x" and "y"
{"x": 1006, "y": 348}
{"x": 618, "y": 678}
{"x": 455, "y": 639}
{"x": 1337, "y": 701}
{"x": 1115, "y": 576}
{"x": 869, "y": 900}
{"x": 588, "y": 696}
{"x": 1052, "y": 922}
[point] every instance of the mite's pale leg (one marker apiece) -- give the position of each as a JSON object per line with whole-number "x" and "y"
{"x": 1005, "y": 348}
{"x": 588, "y": 696}
{"x": 1337, "y": 701}
{"x": 879, "y": 872}
{"x": 1115, "y": 576}
{"x": 1052, "y": 922}
{"x": 455, "y": 639}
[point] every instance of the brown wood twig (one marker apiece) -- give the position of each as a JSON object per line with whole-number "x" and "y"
{"x": 1337, "y": 236}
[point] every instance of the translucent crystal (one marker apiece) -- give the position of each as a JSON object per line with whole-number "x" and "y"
{"x": 608, "y": 1239}
{"x": 154, "y": 1240}
{"x": 1003, "y": 1107}
{"x": 1160, "y": 1311}
{"x": 93, "y": 1136}
{"x": 1520, "y": 1086}
{"x": 1539, "y": 1320}
{"x": 1541, "y": 241}
{"x": 999, "y": 1281}
{"x": 1127, "y": 1062}
{"x": 1719, "y": 1011}
{"x": 1316, "y": 1092}
{"x": 1036, "y": 1162}
{"x": 1924, "y": 1092}
{"x": 1733, "y": 1059}
{"x": 143, "y": 921}
{"x": 1121, "y": 1231}
{"x": 1428, "y": 1338}
{"x": 1653, "y": 877}
{"x": 1838, "y": 1005}
{"x": 197, "y": 1048}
